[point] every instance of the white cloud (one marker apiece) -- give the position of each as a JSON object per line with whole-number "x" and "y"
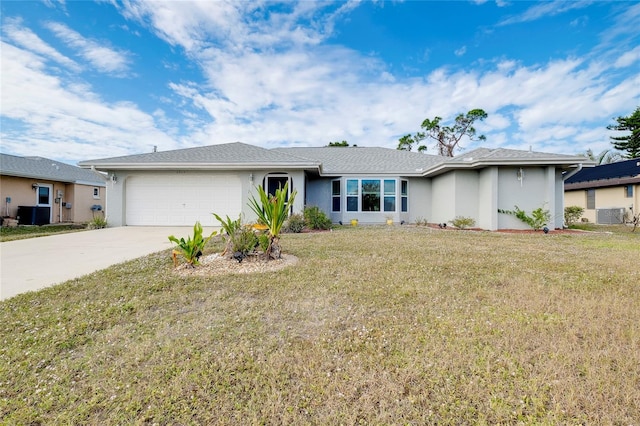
{"x": 272, "y": 79}
{"x": 63, "y": 119}
{"x": 461, "y": 51}
{"x": 104, "y": 59}
{"x": 628, "y": 58}
{"x": 27, "y": 39}
{"x": 543, "y": 9}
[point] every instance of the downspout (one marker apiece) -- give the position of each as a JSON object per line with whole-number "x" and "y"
{"x": 568, "y": 175}
{"x": 564, "y": 178}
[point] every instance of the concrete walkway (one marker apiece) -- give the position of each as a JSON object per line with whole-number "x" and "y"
{"x": 35, "y": 263}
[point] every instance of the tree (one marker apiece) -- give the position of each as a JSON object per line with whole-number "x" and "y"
{"x": 406, "y": 142}
{"x": 631, "y": 142}
{"x": 607, "y": 156}
{"x": 448, "y": 137}
{"x": 340, "y": 144}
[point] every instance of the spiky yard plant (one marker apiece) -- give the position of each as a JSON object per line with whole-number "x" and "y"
{"x": 191, "y": 248}
{"x": 272, "y": 211}
{"x": 229, "y": 229}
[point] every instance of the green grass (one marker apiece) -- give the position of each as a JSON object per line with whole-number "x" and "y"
{"x": 22, "y": 232}
{"x": 374, "y": 325}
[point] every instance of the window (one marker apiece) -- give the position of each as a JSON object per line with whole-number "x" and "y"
{"x": 404, "y": 194}
{"x": 389, "y": 195}
{"x": 96, "y": 193}
{"x": 335, "y": 196}
{"x": 43, "y": 195}
{"x": 591, "y": 199}
{"x": 352, "y": 195}
{"x": 370, "y": 195}
{"x": 628, "y": 191}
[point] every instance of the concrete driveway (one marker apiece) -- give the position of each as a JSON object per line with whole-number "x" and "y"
{"x": 35, "y": 263}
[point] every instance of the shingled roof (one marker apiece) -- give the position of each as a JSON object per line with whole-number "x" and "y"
{"x": 46, "y": 169}
{"x": 235, "y": 155}
{"x": 329, "y": 161}
{"x": 356, "y": 160}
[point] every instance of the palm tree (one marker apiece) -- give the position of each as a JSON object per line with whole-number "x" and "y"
{"x": 607, "y": 156}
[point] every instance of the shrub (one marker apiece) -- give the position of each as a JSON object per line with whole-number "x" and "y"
{"x": 97, "y": 223}
{"x": 463, "y": 222}
{"x": 420, "y": 221}
{"x": 539, "y": 217}
{"x": 572, "y": 214}
{"x": 272, "y": 211}
{"x": 295, "y": 223}
{"x": 315, "y": 218}
{"x": 191, "y": 248}
{"x": 244, "y": 240}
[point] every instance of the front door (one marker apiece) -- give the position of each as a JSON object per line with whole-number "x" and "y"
{"x": 43, "y": 195}
{"x": 275, "y": 182}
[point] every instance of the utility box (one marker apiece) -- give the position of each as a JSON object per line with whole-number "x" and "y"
{"x": 610, "y": 216}
{"x": 33, "y": 215}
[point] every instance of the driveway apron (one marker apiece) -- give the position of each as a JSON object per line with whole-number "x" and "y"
{"x": 35, "y": 263}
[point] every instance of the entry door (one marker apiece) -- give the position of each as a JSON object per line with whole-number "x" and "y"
{"x": 275, "y": 182}
{"x": 44, "y": 198}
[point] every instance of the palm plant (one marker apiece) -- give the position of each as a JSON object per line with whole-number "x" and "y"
{"x": 191, "y": 248}
{"x": 272, "y": 211}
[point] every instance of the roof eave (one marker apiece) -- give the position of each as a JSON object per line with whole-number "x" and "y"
{"x": 196, "y": 166}
{"x": 472, "y": 165}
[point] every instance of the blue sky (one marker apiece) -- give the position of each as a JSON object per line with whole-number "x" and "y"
{"x": 84, "y": 80}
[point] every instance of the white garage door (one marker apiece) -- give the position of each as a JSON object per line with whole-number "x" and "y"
{"x": 181, "y": 199}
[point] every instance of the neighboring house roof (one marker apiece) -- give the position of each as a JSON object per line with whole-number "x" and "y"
{"x": 46, "y": 169}
{"x": 360, "y": 160}
{"x": 329, "y": 161}
{"x": 613, "y": 174}
{"x": 236, "y": 155}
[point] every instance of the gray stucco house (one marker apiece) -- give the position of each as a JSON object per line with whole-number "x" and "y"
{"x": 173, "y": 188}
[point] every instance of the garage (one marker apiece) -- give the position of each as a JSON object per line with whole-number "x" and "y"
{"x": 181, "y": 198}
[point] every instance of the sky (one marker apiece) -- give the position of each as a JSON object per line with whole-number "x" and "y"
{"x": 86, "y": 80}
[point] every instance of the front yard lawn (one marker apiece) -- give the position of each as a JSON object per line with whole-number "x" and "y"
{"x": 373, "y": 325}
{"x": 22, "y": 232}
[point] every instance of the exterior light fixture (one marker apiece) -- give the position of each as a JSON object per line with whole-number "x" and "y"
{"x": 520, "y": 175}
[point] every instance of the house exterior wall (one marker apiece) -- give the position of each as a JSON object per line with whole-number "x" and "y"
{"x": 605, "y": 198}
{"x": 22, "y": 193}
{"x": 488, "y": 199}
{"x": 319, "y": 193}
{"x": 420, "y": 200}
{"x": 443, "y": 198}
{"x": 537, "y": 188}
{"x": 466, "y": 190}
{"x": 250, "y": 179}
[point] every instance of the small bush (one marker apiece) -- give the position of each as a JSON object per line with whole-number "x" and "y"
{"x": 244, "y": 240}
{"x": 462, "y": 222}
{"x": 420, "y": 221}
{"x": 97, "y": 223}
{"x": 315, "y": 218}
{"x": 295, "y": 223}
{"x": 572, "y": 214}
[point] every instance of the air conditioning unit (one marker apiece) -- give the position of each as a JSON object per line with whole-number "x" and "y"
{"x": 611, "y": 216}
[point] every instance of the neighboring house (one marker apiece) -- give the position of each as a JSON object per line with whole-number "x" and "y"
{"x": 369, "y": 184}
{"x": 43, "y": 191}
{"x": 608, "y": 193}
